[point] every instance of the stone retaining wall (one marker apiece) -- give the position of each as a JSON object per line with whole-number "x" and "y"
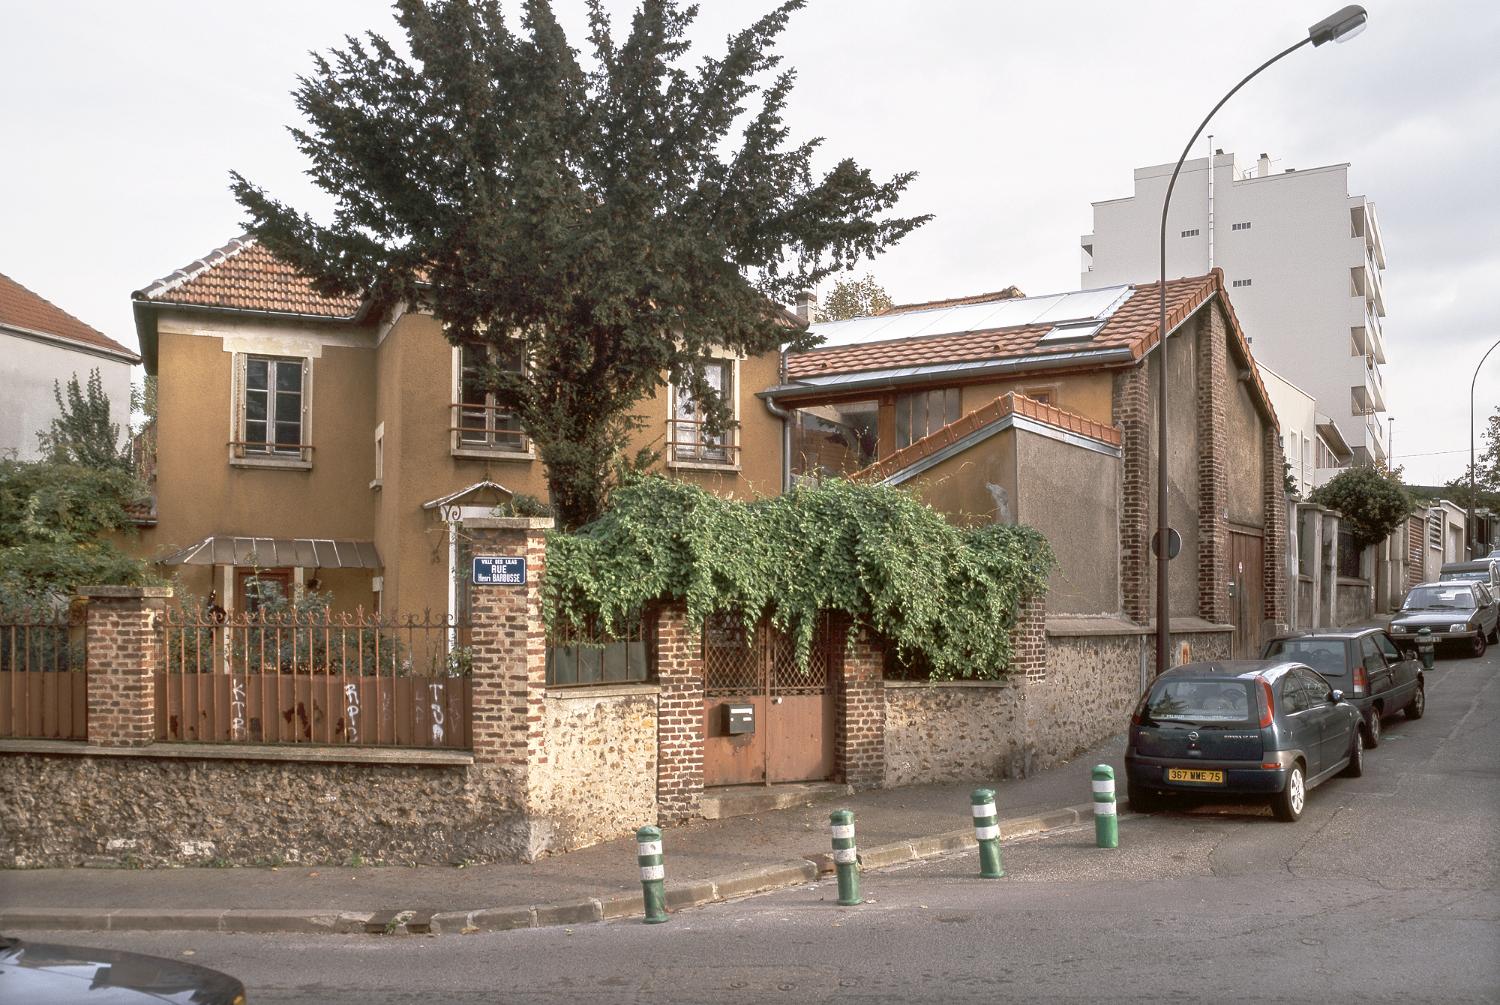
{"x": 97, "y": 808}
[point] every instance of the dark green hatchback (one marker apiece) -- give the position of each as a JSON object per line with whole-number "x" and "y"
{"x": 1268, "y": 728}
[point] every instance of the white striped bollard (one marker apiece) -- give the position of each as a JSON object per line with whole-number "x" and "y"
{"x": 1106, "y": 823}
{"x": 987, "y": 833}
{"x": 653, "y": 874}
{"x": 845, "y": 856}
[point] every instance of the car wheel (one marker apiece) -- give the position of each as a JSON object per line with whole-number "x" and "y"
{"x": 1287, "y": 804}
{"x": 1418, "y": 705}
{"x": 1142, "y": 800}
{"x": 1356, "y": 765}
{"x": 1372, "y": 729}
{"x": 1477, "y": 649}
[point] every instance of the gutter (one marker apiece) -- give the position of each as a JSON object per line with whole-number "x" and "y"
{"x": 786, "y": 427}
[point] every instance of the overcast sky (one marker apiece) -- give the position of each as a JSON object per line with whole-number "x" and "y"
{"x": 122, "y": 121}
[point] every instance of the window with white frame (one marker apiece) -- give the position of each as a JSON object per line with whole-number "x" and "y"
{"x": 271, "y": 414}
{"x": 689, "y": 440}
{"x": 481, "y": 424}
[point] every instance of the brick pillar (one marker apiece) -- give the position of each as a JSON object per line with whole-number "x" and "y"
{"x": 1277, "y": 579}
{"x": 1028, "y": 640}
{"x": 1211, "y": 382}
{"x": 1129, "y": 410}
{"x": 509, "y": 646}
{"x": 679, "y": 717}
{"x": 859, "y": 744}
{"x": 124, "y": 653}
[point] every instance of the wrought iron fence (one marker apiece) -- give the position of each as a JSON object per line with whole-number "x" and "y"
{"x": 314, "y": 676}
{"x": 43, "y": 686}
{"x": 589, "y": 656}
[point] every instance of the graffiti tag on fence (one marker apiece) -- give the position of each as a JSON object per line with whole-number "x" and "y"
{"x": 237, "y": 707}
{"x": 437, "y": 714}
{"x": 351, "y": 711}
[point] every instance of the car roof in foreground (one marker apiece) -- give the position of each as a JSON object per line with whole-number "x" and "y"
{"x": 1269, "y": 669}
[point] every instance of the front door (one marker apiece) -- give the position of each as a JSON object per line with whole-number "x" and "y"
{"x": 792, "y": 707}
{"x": 1247, "y": 599}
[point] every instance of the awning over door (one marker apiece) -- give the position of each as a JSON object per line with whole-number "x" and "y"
{"x": 278, "y": 552}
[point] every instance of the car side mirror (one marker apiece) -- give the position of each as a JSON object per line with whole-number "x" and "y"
{"x": 1337, "y": 696}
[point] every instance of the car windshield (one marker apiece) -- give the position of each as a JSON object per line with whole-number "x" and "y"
{"x": 1324, "y": 655}
{"x": 1199, "y": 701}
{"x": 1429, "y": 597}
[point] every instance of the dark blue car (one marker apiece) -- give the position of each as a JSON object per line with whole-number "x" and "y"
{"x": 1269, "y": 728}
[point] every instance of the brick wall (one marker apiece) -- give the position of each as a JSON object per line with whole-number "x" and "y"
{"x": 1130, "y": 412}
{"x": 679, "y": 717}
{"x": 859, "y": 751}
{"x": 1210, "y": 383}
{"x": 1028, "y": 640}
{"x": 124, "y": 653}
{"x": 1274, "y": 554}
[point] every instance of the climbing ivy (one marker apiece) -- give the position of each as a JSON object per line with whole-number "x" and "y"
{"x": 947, "y": 595}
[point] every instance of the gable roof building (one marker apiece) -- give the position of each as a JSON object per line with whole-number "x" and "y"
{"x": 42, "y": 344}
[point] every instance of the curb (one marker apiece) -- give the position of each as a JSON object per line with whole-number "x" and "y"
{"x": 730, "y": 886}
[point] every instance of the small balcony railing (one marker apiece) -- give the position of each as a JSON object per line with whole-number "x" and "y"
{"x": 487, "y": 427}
{"x": 689, "y": 442}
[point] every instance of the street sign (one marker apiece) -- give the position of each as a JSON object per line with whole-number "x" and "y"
{"x": 1174, "y": 543}
{"x": 499, "y": 570}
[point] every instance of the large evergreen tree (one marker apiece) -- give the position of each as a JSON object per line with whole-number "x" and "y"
{"x": 623, "y": 214}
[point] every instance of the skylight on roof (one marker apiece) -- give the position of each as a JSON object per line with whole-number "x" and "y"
{"x": 1072, "y": 333}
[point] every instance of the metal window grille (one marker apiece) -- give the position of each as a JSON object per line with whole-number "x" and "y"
{"x": 579, "y": 658}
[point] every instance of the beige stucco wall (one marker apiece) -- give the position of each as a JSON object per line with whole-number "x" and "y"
{"x": 1072, "y": 495}
{"x": 1247, "y": 454}
{"x": 957, "y": 486}
{"x": 33, "y": 368}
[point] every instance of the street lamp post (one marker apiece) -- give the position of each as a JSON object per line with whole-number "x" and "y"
{"x": 1469, "y": 530}
{"x": 1338, "y": 27}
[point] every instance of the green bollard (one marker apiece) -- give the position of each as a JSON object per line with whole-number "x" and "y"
{"x": 1426, "y": 647}
{"x": 987, "y": 832}
{"x": 653, "y": 873}
{"x": 845, "y": 857}
{"x": 1106, "y": 823}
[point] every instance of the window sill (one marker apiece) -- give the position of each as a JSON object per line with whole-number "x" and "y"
{"x": 282, "y": 463}
{"x": 376, "y": 484}
{"x": 704, "y": 465}
{"x": 630, "y": 689}
{"x": 481, "y": 454}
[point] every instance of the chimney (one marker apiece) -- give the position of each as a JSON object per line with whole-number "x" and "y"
{"x": 807, "y": 303}
{"x": 1263, "y": 166}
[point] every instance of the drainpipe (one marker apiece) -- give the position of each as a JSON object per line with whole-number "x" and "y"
{"x": 785, "y": 416}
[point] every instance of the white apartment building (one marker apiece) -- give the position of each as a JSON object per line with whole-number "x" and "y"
{"x": 1314, "y": 448}
{"x": 1303, "y": 260}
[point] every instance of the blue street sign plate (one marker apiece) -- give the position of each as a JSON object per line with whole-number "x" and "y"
{"x": 499, "y": 570}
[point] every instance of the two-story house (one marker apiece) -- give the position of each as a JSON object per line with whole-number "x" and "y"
{"x": 306, "y": 442}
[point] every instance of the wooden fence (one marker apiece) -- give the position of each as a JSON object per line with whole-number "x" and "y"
{"x": 43, "y": 687}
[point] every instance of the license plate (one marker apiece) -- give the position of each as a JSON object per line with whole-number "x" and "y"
{"x": 1194, "y": 775}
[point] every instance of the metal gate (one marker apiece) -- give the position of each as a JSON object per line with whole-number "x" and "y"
{"x": 792, "y": 708}
{"x": 1247, "y": 579}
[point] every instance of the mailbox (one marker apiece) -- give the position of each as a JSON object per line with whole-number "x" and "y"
{"x": 739, "y": 719}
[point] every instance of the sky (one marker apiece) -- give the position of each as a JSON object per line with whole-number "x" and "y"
{"x": 123, "y": 120}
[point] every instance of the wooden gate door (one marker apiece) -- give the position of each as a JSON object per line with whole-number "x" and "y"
{"x": 793, "y": 707}
{"x": 1247, "y": 574}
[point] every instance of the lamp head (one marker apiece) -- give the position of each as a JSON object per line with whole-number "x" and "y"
{"x": 1340, "y": 26}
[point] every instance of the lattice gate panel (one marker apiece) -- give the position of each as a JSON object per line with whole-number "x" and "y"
{"x": 733, "y": 658}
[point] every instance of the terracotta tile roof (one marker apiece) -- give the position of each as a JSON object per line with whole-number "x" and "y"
{"x": 244, "y": 275}
{"x": 1009, "y": 293}
{"x": 1007, "y": 404}
{"x": 21, "y": 308}
{"x": 1132, "y": 326}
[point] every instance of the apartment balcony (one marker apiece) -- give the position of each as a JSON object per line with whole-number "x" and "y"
{"x": 1364, "y": 282}
{"x": 1375, "y": 382}
{"x": 1364, "y": 225}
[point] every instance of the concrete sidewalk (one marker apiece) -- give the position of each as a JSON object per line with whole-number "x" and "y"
{"x": 705, "y": 861}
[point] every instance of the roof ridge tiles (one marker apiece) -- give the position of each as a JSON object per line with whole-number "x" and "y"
{"x": 195, "y": 268}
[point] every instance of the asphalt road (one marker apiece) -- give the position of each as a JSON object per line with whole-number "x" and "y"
{"x": 1385, "y": 891}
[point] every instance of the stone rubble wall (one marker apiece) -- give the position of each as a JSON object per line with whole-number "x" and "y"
{"x": 109, "y": 810}
{"x": 991, "y": 730}
{"x": 601, "y": 781}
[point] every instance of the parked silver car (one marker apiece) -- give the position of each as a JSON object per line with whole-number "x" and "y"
{"x": 1454, "y": 611}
